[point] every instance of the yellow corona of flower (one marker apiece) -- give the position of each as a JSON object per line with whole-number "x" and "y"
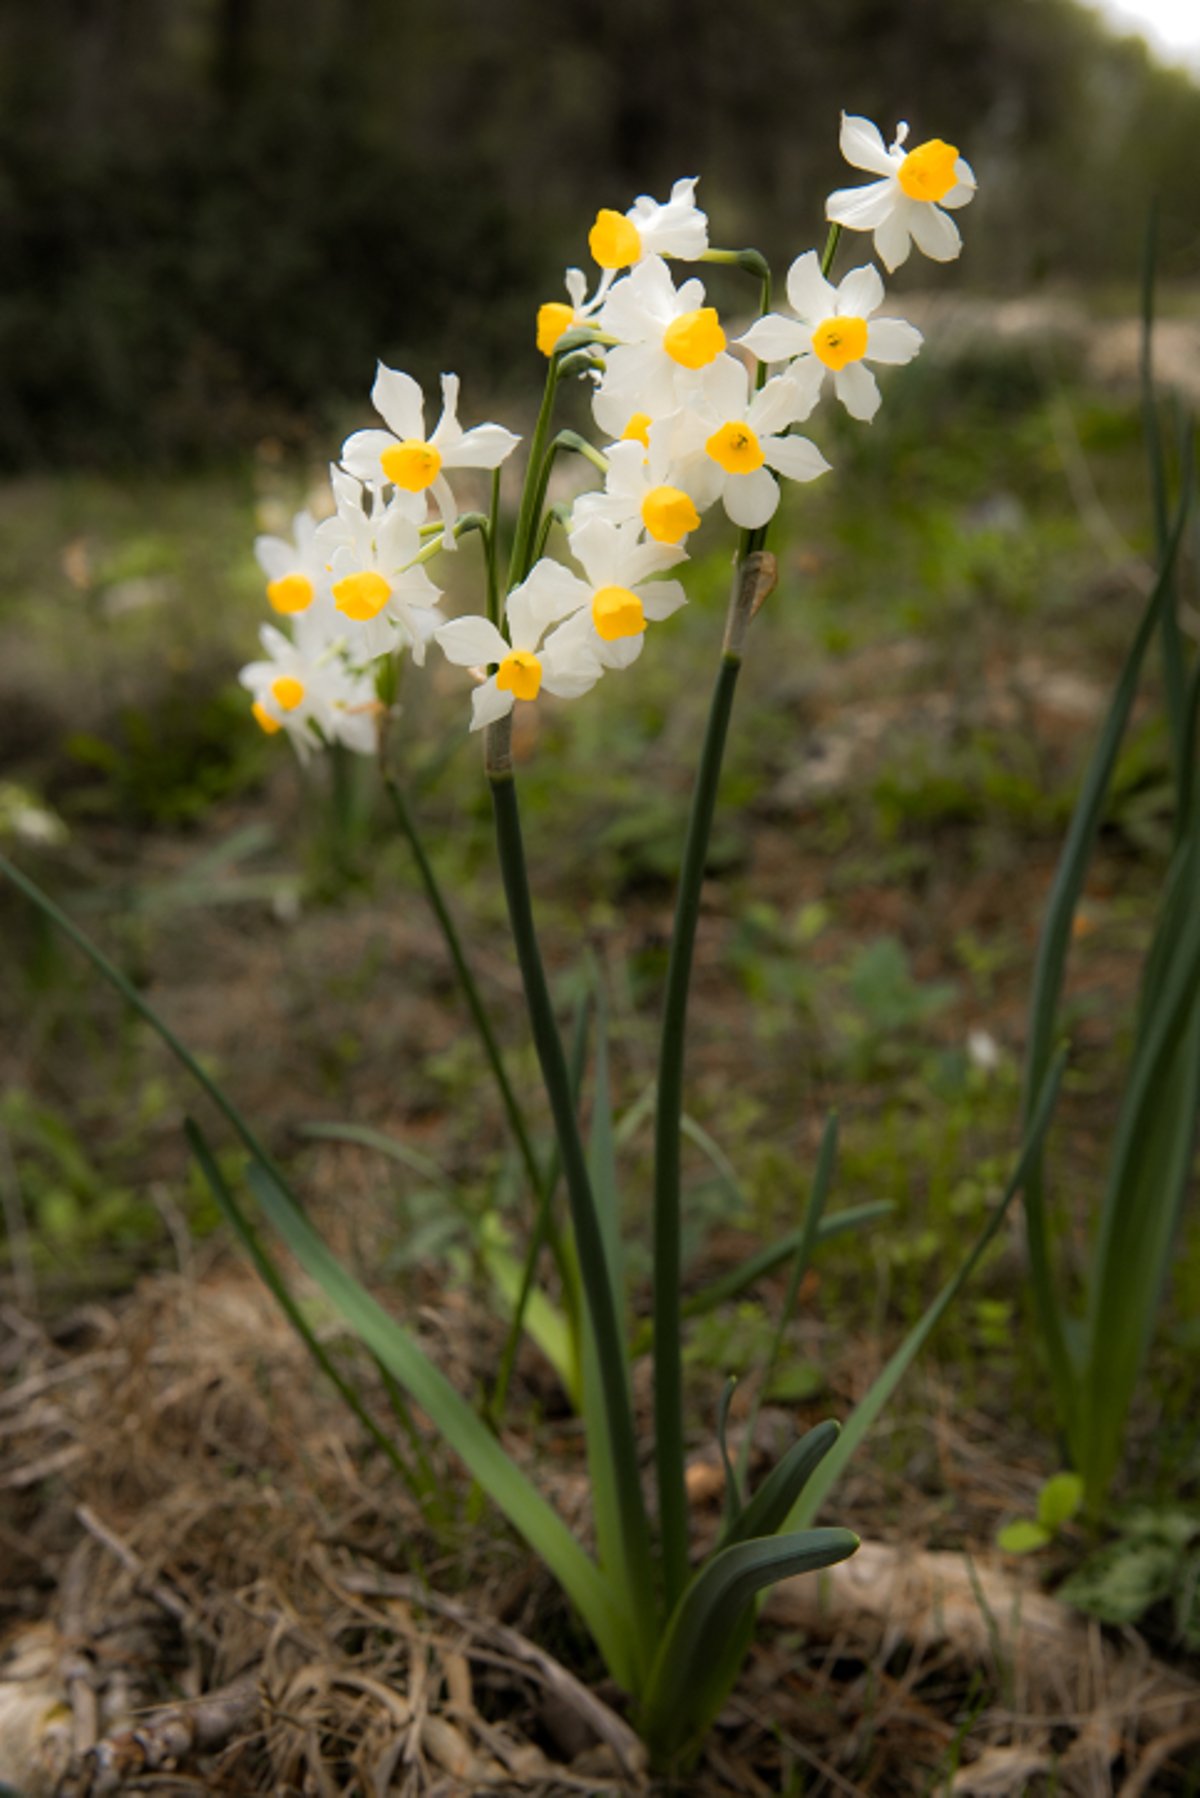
{"x": 295, "y": 571}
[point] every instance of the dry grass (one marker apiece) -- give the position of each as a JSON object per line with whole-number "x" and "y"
{"x": 189, "y": 1521}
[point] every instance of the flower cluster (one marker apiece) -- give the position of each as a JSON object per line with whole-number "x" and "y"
{"x": 687, "y": 420}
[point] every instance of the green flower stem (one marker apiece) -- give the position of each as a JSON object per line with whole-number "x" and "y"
{"x": 556, "y": 515}
{"x": 610, "y": 1346}
{"x": 487, "y": 1036}
{"x": 830, "y": 250}
{"x": 527, "y": 517}
{"x": 753, "y": 580}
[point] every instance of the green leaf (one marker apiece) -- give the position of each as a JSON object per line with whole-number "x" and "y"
{"x": 690, "y": 1679}
{"x": 768, "y": 1509}
{"x": 547, "y": 1325}
{"x": 864, "y": 1416}
{"x": 1149, "y": 1172}
{"x": 1054, "y": 943}
{"x": 756, "y": 1267}
{"x": 1023, "y": 1537}
{"x": 471, "y": 1440}
{"x": 365, "y": 1138}
{"x": 1059, "y": 1500}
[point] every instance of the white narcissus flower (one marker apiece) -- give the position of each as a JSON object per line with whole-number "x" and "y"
{"x": 405, "y": 458}
{"x": 639, "y": 485}
{"x": 305, "y": 688}
{"x": 384, "y": 594}
{"x": 296, "y": 572}
{"x": 666, "y": 339}
{"x": 674, "y": 227}
{"x": 727, "y": 446}
{"x": 556, "y": 318}
{"x": 611, "y": 606}
{"x": 523, "y": 664}
{"x": 905, "y": 205}
{"x": 833, "y": 329}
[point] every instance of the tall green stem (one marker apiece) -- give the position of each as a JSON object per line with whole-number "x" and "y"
{"x": 610, "y": 1346}
{"x": 527, "y": 517}
{"x": 753, "y": 580}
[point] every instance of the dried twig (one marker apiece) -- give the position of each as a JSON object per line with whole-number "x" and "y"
{"x": 603, "y": 1722}
{"x": 177, "y": 1733}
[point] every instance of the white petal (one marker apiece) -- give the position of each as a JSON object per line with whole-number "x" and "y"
{"x": 796, "y": 457}
{"x": 442, "y": 495}
{"x": 892, "y": 340}
{"x": 485, "y": 446}
{"x": 936, "y": 233}
{"x": 775, "y": 407}
{"x": 751, "y": 499}
{"x": 776, "y": 339}
{"x": 548, "y": 592}
{"x": 488, "y": 703}
{"x": 575, "y": 283}
{"x": 726, "y": 387}
{"x": 361, "y": 453}
{"x": 893, "y": 240}
{"x": 858, "y": 390}
{"x": 642, "y": 560}
{"x": 398, "y": 400}
{"x": 626, "y": 470}
{"x": 860, "y": 292}
{"x": 810, "y": 295}
{"x": 662, "y": 598}
{"x": 861, "y": 208}
{"x": 472, "y": 642}
{"x": 570, "y": 664}
{"x": 275, "y": 557}
{"x": 807, "y": 375}
{"x": 863, "y": 147}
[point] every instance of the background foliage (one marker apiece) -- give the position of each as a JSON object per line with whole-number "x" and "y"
{"x": 215, "y": 214}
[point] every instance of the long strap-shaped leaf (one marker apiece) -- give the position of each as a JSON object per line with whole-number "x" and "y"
{"x": 1149, "y": 1167}
{"x": 867, "y": 1411}
{"x": 467, "y": 1435}
{"x": 690, "y": 1676}
{"x": 1050, "y": 966}
{"x": 472, "y": 1441}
